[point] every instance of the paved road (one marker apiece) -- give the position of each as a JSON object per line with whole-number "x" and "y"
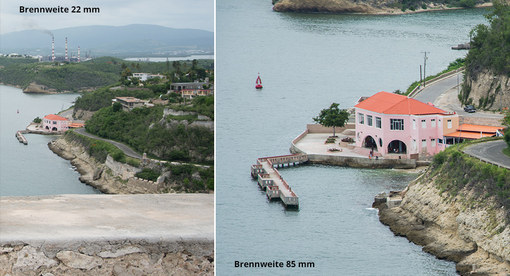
{"x": 490, "y": 152}
{"x": 127, "y": 150}
{"x": 432, "y": 91}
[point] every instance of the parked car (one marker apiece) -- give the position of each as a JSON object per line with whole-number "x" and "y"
{"x": 470, "y": 109}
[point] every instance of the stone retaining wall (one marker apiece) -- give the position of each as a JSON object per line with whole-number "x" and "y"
{"x": 123, "y": 257}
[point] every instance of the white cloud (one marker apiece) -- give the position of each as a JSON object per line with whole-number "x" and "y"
{"x": 193, "y": 14}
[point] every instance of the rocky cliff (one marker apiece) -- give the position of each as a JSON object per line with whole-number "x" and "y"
{"x": 487, "y": 90}
{"x": 110, "y": 177}
{"x": 468, "y": 226}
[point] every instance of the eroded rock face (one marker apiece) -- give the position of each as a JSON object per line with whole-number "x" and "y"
{"x": 29, "y": 259}
{"x": 489, "y": 91}
{"x": 474, "y": 236}
{"x": 78, "y": 260}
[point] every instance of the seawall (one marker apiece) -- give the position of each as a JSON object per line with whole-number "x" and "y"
{"x": 347, "y": 160}
{"x": 171, "y": 234}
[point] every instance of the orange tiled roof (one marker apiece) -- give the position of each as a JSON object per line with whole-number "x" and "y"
{"x": 480, "y": 128}
{"x": 469, "y": 135}
{"x": 76, "y": 125}
{"x": 390, "y": 103}
{"x": 54, "y": 117}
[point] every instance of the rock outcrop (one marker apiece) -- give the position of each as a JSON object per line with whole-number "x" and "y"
{"x": 487, "y": 90}
{"x": 356, "y": 6}
{"x": 475, "y": 235}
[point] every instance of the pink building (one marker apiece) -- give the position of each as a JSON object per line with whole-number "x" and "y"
{"x": 54, "y": 122}
{"x": 395, "y": 126}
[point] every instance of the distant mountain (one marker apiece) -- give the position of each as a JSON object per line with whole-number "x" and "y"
{"x": 130, "y": 40}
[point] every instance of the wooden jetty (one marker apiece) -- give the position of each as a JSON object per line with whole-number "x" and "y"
{"x": 270, "y": 180}
{"x": 21, "y": 138}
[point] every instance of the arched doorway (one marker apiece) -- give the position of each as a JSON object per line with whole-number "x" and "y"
{"x": 370, "y": 143}
{"x": 397, "y": 146}
{"x": 54, "y": 129}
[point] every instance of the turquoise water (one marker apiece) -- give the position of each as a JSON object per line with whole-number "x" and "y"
{"x": 306, "y": 62}
{"x": 33, "y": 169}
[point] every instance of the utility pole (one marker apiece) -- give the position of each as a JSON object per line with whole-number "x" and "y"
{"x": 458, "y": 84}
{"x": 421, "y": 79}
{"x": 424, "y": 67}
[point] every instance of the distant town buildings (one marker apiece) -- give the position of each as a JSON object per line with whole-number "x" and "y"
{"x": 128, "y": 103}
{"x": 178, "y": 86}
{"x": 146, "y": 76}
{"x": 189, "y": 90}
{"x": 395, "y": 126}
{"x": 191, "y": 93}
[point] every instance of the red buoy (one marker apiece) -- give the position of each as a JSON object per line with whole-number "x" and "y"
{"x": 258, "y": 83}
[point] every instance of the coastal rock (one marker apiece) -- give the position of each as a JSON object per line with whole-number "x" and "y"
{"x": 120, "y": 252}
{"x": 29, "y": 259}
{"x": 489, "y": 91}
{"x": 324, "y": 6}
{"x": 110, "y": 177}
{"x": 445, "y": 227}
{"x": 78, "y": 260}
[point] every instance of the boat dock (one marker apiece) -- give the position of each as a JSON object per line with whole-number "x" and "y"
{"x": 270, "y": 180}
{"x": 21, "y": 138}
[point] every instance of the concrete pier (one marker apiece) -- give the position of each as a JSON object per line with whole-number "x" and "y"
{"x": 21, "y": 138}
{"x": 270, "y": 180}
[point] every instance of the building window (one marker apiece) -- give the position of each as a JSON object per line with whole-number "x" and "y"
{"x": 433, "y": 142}
{"x": 361, "y": 118}
{"x": 414, "y": 124}
{"x": 397, "y": 124}
{"x": 449, "y": 123}
{"x": 380, "y": 142}
{"x": 369, "y": 120}
{"x": 424, "y": 144}
{"x": 378, "y": 122}
{"x": 439, "y": 141}
{"x": 433, "y": 122}
{"x": 423, "y": 123}
{"x": 414, "y": 144}
{"x": 54, "y": 122}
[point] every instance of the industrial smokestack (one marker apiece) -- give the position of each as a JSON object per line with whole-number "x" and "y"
{"x": 78, "y": 53}
{"x": 52, "y": 48}
{"x": 66, "y": 50}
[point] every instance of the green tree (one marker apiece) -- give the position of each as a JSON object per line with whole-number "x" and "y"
{"x": 506, "y": 122}
{"x": 332, "y": 117}
{"x": 37, "y": 120}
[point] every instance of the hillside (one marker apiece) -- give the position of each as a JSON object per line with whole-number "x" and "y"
{"x": 121, "y": 41}
{"x": 369, "y": 6}
{"x": 98, "y": 72}
{"x": 487, "y": 80}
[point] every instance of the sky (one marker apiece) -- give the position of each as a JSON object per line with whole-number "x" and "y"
{"x": 181, "y": 14}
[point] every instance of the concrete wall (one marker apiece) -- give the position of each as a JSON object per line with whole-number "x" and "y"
{"x": 480, "y": 121}
{"x": 356, "y": 162}
{"x": 316, "y": 128}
